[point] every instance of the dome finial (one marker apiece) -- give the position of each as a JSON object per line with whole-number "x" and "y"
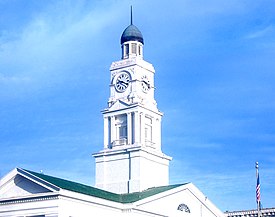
{"x": 131, "y": 33}
{"x": 131, "y": 15}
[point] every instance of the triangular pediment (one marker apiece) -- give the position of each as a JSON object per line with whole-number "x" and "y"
{"x": 185, "y": 200}
{"x": 118, "y": 105}
{"x": 16, "y": 184}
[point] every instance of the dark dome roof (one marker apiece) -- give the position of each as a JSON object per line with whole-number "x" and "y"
{"x": 131, "y": 33}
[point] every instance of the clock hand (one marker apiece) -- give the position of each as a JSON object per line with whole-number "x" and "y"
{"x": 147, "y": 84}
{"x": 123, "y": 82}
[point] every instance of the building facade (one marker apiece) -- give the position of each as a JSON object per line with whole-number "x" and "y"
{"x": 270, "y": 212}
{"x": 132, "y": 172}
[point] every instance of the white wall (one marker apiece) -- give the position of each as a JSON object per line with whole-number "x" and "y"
{"x": 167, "y": 203}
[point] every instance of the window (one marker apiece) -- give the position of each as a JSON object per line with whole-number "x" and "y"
{"x": 126, "y": 49}
{"x": 148, "y": 129}
{"x": 183, "y": 207}
{"x": 134, "y": 48}
{"x": 121, "y": 130}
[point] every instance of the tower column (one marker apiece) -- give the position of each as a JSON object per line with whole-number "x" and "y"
{"x": 129, "y": 128}
{"x": 106, "y": 132}
{"x": 158, "y": 134}
{"x": 113, "y": 130}
{"x": 137, "y": 127}
{"x": 154, "y": 133}
{"x": 142, "y": 128}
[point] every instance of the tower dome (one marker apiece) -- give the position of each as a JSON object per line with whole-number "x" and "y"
{"x": 131, "y": 33}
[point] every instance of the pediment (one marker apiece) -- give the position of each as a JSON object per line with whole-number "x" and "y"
{"x": 186, "y": 200}
{"x": 118, "y": 105}
{"x": 20, "y": 186}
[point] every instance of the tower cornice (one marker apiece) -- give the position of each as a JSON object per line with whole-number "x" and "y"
{"x": 130, "y": 108}
{"x": 132, "y": 62}
{"x": 140, "y": 150}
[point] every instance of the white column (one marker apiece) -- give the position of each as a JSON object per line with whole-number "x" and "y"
{"x": 154, "y": 132}
{"x": 142, "y": 128}
{"x": 106, "y": 132}
{"x": 137, "y": 128}
{"x": 113, "y": 129}
{"x": 159, "y": 133}
{"x": 129, "y": 128}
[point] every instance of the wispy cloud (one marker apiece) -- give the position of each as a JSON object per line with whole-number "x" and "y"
{"x": 14, "y": 79}
{"x": 266, "y": 31}
{"x": 53, "y": 44}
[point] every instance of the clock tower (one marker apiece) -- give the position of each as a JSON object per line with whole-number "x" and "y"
{"x": 132, "y": 159}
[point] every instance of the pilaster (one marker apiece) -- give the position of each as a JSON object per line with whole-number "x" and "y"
{"x": 129, "y": 128}
{"x": 113, "y": 129}
{"x": 137, "y": 127}
{"x": 142, "y": 128}
{"x": 106, "y": 132}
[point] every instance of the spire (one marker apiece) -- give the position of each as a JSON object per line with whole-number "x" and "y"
{"x": 131, "y": 33}
{"x": 131, "y": 15}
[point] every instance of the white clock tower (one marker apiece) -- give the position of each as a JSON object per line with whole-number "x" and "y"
{"x": 132, "y": 159}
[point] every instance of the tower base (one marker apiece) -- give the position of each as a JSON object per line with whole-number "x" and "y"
{"x": 132, "y": 169}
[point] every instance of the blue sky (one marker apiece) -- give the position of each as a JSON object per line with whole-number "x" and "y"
{"x": 215, "y": 79}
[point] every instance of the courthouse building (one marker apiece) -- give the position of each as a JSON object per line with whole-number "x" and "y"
{"x": 132, "y": 172}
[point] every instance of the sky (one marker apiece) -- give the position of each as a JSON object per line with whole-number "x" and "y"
{"x": 215, "y": 84}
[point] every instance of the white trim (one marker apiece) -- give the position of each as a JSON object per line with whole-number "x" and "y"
{"x": 37, "y": 180}
{"x": 29, "y": 198}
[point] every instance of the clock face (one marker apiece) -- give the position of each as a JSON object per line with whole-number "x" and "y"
{"x": 145, "y": 84}
{"x": 122, "y": 81}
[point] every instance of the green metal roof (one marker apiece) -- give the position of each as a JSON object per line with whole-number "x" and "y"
{"x": 133, "y": 197}
{"x": 95, "y": 192}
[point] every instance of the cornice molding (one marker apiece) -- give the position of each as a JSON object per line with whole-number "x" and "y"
{"x": 27, "y": 199}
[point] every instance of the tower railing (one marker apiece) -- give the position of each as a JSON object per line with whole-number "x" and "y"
{"x": 119, "y": 142}
{"x": 124, "y": 141}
